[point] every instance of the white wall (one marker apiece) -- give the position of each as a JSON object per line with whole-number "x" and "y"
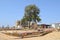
{"x": 56, "y": 25}
{"x": 53, "y": 25}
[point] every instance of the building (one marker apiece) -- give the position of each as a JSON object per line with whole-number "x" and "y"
{"x": 18, "y": 25}
{"x": 55, "y": 25}
{"x": 45, "y": 26}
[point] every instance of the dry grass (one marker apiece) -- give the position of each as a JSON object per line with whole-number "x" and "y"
{"x": 13, "y": 34}
{"x": 51, "y": 36}
{"x": 28, "y": 34}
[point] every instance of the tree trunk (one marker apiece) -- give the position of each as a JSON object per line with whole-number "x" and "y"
{"x": 35, "y": 25}
{"x": 29, "y": 24}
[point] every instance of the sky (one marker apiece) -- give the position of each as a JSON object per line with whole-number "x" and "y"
{"x": 13, "y": 10}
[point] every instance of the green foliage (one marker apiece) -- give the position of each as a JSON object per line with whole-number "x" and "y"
{"x": 31, "y": 13}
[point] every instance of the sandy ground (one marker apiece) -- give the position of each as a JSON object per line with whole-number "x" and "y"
{"x": 50, "y": 36}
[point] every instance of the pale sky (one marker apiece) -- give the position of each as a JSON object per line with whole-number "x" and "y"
{"x": 12, "y": 10}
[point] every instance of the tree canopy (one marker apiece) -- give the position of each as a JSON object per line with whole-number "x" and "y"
{"x": 32, "y": 13}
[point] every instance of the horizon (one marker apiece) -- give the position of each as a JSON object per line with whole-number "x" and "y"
{"x": 13, "y": 10}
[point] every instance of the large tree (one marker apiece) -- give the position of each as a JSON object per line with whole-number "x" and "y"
{"x": 32, "y": 14}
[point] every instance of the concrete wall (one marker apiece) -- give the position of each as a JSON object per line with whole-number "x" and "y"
{"x": 56, "y": 25}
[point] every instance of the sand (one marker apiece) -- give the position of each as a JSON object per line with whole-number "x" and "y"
{"x": 50, "y": 36}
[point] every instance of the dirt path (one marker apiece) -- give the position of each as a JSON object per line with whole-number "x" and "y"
{"x": 6, "y": 37}
{"x": 50, "y": 36}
